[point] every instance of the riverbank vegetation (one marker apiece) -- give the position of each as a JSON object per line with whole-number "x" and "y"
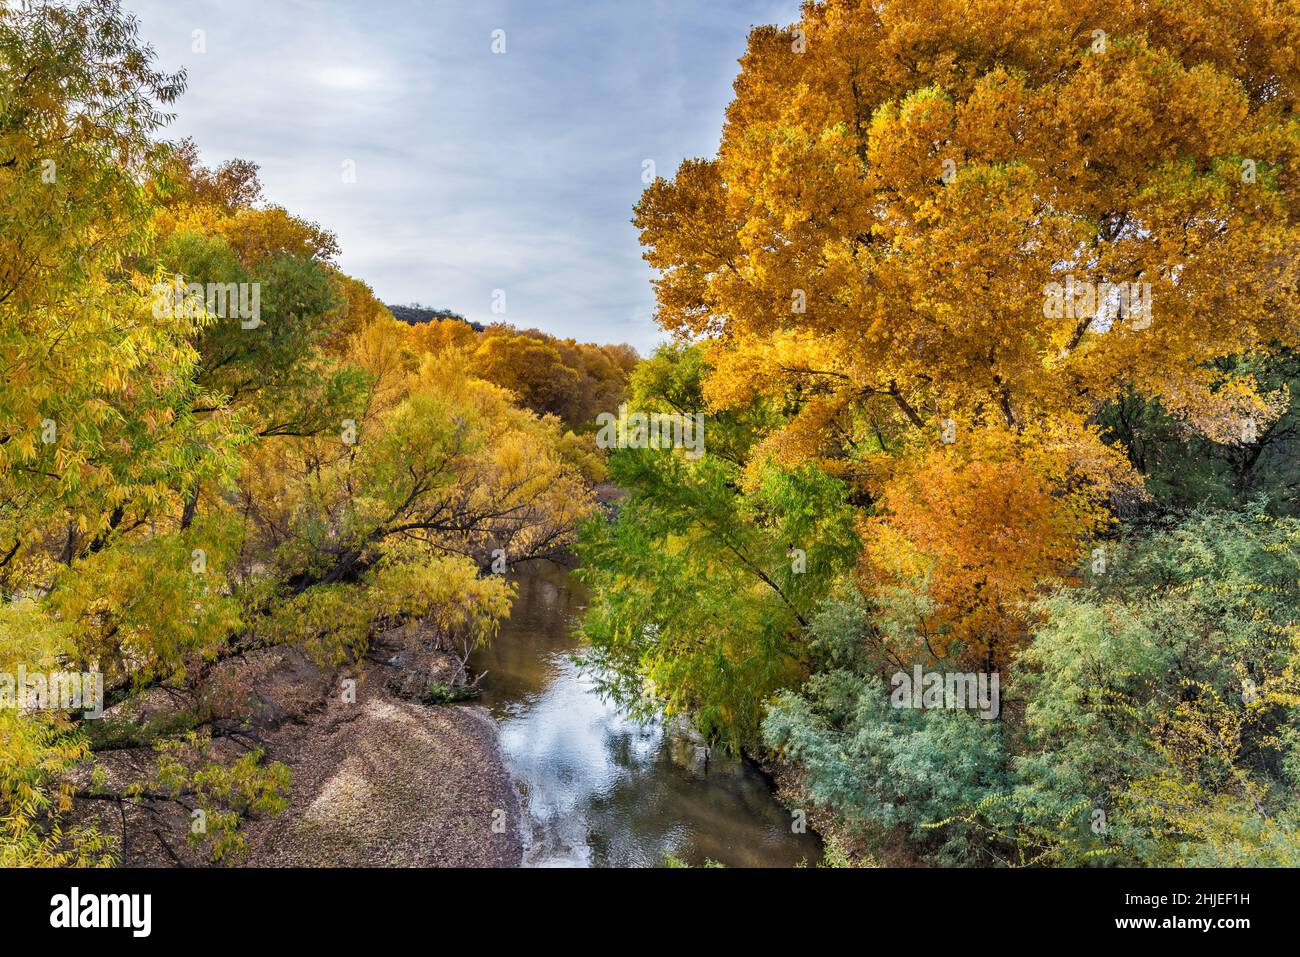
{"x": 992, "y": 313}
{"x": 994, "y": 317}
{"x": 213, "y": 442}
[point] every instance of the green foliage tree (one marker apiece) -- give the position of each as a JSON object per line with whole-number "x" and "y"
{"x": 703, "y": 584}
{"x": 98, "y": 437}
{"x": 1151, "y": 721}
{"x": 1184, "y": 470}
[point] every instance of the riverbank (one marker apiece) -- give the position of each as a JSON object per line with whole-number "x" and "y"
{"x": 548, "y": 771}
{"x": 387, "y": 780}
{"x": 379, "y": 778}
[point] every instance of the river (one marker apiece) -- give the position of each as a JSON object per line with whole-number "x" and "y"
{"x": 598, "y": 788}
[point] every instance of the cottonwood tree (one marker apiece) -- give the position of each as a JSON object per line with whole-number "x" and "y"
{"x": 909, "y": 209}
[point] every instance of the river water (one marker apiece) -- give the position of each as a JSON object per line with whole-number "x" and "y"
{"x": 598, "y": 788}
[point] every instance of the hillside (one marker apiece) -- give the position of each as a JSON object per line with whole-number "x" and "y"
{"x": 416, "y": 314}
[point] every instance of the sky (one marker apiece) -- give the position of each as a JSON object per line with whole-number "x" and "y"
{"x": 474, "y": 171}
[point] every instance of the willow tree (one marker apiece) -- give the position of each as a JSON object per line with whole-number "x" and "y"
{"x": 179, "y": 487}
{"x": 98, "y": 439}
{"x": 947, "y": 232}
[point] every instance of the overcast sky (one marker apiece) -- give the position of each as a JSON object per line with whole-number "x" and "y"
{"x": 475, "y": 171}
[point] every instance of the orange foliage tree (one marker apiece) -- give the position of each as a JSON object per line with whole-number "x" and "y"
{"x": 945, "y": 233}
{"x": 572, "y": 380}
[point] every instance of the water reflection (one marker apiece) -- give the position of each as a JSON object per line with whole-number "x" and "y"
{"x": 599, "y": 789}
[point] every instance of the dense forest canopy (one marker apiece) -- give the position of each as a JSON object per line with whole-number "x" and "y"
{"x": 990, "y": 549}
{"x": 213, "y": 441}
{"x": 993, "y": 308}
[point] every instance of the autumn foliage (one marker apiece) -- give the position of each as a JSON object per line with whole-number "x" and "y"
{"x": 184, "y": 483}
{"x": 901, "y": 193}
{"x": 561, "y": 377}
{"x": 1017, "y": 283}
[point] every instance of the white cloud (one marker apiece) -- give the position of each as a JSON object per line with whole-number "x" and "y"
{"x": 475, "y": 171}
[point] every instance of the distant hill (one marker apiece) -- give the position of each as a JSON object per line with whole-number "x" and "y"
{"x": 416, "y": 314}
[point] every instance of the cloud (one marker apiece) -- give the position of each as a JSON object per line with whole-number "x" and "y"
{"x": 475, "y": 171}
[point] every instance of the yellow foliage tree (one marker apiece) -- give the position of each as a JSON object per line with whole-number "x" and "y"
{"x": 933, "y": 220}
